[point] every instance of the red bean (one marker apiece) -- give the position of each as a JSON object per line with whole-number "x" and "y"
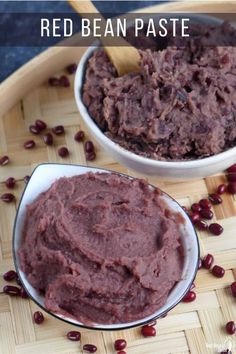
{"x": 4, "y": 160}
{"x": 215, "y": 198}
{"x": 79, "y": 136}
{"x": 38, "y": 317}
{"x": 74, "y": 336}
{"x": 190, "y": 296}
{"x": 230, "y": 327}
{"x": 23, "y": 294}
{"x": 26, "y": 179}
{"x": 231, "y": 177}
{"x": 90, "y": 348}
{"x": 215, "y": 229}
{"x": 11, "y": 290}
{"x": 227, "y": 351}
{"x": 10, "y": 182}
{"x": 196, "y": 207}
{"x": 233, "y": 288}
{"x": 195, "y": 217}
{"x": 34, "y": 130}
{"x": 54, "y": 81}
{"x": 64, "y": 81}
{"x": 148, "y": 331}
{"x": 205, "y": 204}
{"x": 232, "y": 169}
{"x": 221, "y": 188}
{"x": 71, "y": 68}
{"x": 120, "y": 344}
{"x": 7, "y": 197}
{"x": 63, "y": 152}
{"x": 40, "y": 124}
{"x": 10, "y": 275}
{"x": 206, "y": 214}
{"x": 48, "y": 139}
{"x": 90, "y": 156}
{"x": 232, "y": 188}
{"x": 218, "y": 271}
{"x": 58, "y": 130}
{"x": 121, "y": 352}
{"x": 88, "y": 146}
{"x": 201, "y": 225}
{"x": 29, "y": 144}
{"x": 207, "y": 261}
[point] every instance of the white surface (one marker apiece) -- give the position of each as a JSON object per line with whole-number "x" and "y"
{"x": 179, "y": 170}
{"x": 42, "y": 178}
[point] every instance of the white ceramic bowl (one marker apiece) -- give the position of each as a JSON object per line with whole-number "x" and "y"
{"x": 172, "y": 170}
{"x": 38, "y": 183}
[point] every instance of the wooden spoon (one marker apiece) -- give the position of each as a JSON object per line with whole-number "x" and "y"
{"x": 124, "y": 57}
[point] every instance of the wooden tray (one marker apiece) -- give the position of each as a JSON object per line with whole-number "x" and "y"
{"x": 196, "y": 327}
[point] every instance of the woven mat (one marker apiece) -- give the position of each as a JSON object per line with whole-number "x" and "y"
{"x": 196, "y": 327}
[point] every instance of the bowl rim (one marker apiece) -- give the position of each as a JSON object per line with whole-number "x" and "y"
{"x": 122, "y": 326}
{"x": 184, "y": 165}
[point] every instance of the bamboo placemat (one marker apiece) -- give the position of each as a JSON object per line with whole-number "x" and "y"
{"x": 196, "y": 327}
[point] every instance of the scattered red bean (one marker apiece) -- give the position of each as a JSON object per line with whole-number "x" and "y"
{"x": 64, "y": 81}
{"x": 29, "y": 144}
{"x": 205, "y": 204}
{"x": 232, "y": 169}
{"x": 58, "y": 130}
{"x": 120, "y": 344}
{"x": 74, "y": 336}
{"x": 40, "y": 124}
{"x": 215, "y": 229}
{"x": 38, "y": 317}
{"x": 71, "y": 68}
{"x": 206, "y": 214}
{"x": 233, "y": 288}
{"x": 218, "y": 271}
{"x": 189, "y": 297}
{"x": 48, "y": 139}
{"x": 7, "y": 197}
{"x": 10, "y": 182}
{"x": 221, "y": 188}
{"x": 207, "y": 261}
{"x": 26, "y": 179}
{"x": 4, "y": 160}
{"x": 90, "y": 156}
{"x": 230, "y": 327}
{"x": 79, "y": 136}
{"x": 148, "y": 331}
{"x": 231, "y": 177}
{"x": 200, "y": 263}
{"x": 232, "y": 188}
{"x": 88, "y": 146}
{"x": 34, "y": 130}
{"x": 63, "y": 152}
{"x": 23, "y": 294}
{"x": 121, "y": 352}
{"x": 195, "y": 217}
{"x": 11, "y": 290}
{"x": 90, "y": 348}
{"x": 215, "y": 198}
{"x": 10, "y": 275}
{"x": 54, "y": 81}
{"x": 201, "y": 225}
{"x": 196, "y": 207}
{"x": 227, "y": 351}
